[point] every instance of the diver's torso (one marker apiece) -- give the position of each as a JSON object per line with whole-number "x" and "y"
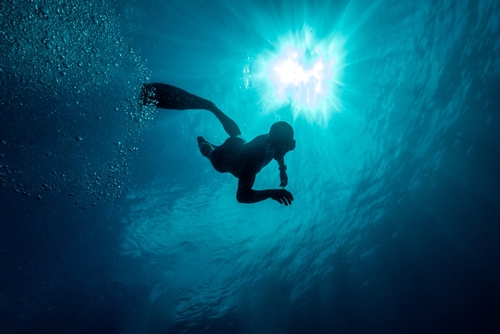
{"x": 256, "y": 154}
{"x": 236, "y": 155}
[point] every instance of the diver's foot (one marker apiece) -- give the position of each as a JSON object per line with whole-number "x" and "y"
{"x": 205, "y": 147}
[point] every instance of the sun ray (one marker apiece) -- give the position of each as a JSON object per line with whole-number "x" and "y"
{"x": 304, "y": 72}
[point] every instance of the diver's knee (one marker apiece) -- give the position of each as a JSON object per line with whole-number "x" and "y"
{"x": 206, "y": 150}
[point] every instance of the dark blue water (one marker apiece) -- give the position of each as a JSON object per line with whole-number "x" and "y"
{"x": 113, "y": 222}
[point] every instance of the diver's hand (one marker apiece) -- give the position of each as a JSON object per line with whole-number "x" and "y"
{"x": 283, "y": 178}
{"x": 282, "y": 196}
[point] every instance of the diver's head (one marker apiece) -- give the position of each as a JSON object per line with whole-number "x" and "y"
{"x": 281, "y": 135}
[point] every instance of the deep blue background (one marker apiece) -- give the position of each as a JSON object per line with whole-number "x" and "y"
{"x": 112, "y": 222}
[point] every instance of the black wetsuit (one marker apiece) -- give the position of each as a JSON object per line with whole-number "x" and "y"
{"x": 236, "y": 156}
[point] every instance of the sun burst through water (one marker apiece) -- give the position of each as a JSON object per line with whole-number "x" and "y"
{"x": 302, "y": 72}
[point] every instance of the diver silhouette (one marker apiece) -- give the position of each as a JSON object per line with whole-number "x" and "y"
{"x": 236, "y": 156}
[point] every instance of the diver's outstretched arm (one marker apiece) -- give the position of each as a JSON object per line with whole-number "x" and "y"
{"x": 170, "y": 97}
{"x": 245, "y": 193}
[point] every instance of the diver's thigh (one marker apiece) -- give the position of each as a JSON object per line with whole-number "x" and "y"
{"x": 226, "y": 155}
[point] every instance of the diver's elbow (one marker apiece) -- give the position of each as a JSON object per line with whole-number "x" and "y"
{"x": 242, "y": 197}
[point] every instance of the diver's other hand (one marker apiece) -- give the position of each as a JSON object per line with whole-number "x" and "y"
{"x": 283, "y": 178}
{"x": 282, "y": 196}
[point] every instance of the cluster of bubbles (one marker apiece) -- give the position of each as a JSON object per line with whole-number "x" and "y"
{"x": 69, "y": 87}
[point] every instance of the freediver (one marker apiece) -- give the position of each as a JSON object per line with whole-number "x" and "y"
{"x": 236, "y": 156}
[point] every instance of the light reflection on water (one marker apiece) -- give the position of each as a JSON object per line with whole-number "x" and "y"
{"x": 344, "y": 177}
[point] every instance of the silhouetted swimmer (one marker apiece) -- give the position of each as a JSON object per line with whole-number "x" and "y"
{"x": 236, "y": 156}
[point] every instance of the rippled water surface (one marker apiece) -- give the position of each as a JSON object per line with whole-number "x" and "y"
{"x": 113, "y": 222}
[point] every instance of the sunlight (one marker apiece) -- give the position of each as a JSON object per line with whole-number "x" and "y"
{"x": 302, "y": 72}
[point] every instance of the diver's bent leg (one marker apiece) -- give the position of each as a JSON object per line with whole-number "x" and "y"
{"x": 171, "y": 97}
{"x": 205, "y": 147}
{"x": 228, "y": 124}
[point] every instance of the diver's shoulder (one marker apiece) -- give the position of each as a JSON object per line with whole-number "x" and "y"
{"x": 262, "y": 139}
{"x": 259, "y": 143}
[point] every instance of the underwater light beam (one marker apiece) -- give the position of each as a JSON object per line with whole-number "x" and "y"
{"x": 304, "y": 82}
{"x": 303, "y": 72}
